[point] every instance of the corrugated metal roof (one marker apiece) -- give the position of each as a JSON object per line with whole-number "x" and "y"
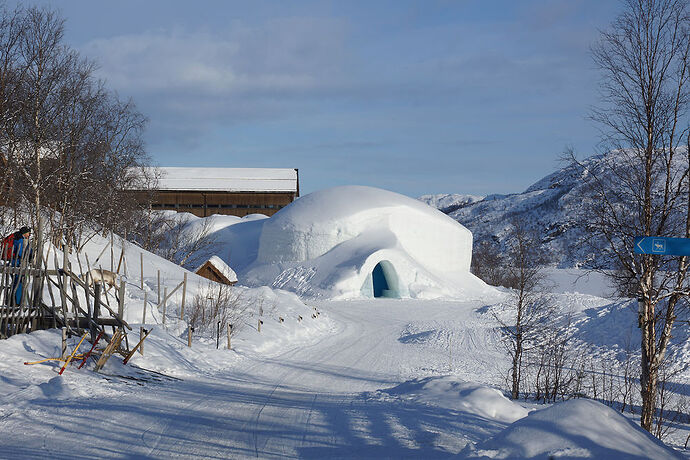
{"x": 228, "y": 179}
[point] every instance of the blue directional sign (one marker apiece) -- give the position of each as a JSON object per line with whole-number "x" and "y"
{"x": 662, "y": 246}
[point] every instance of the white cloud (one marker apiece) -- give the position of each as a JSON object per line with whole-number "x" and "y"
{"x": 286, "y": 55}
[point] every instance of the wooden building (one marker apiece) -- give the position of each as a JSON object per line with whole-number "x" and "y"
{"x": 216, "y": 270}
{"x": 229, "y": 191}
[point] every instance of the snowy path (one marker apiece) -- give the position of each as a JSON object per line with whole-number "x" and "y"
{"x": 316, "y": 401}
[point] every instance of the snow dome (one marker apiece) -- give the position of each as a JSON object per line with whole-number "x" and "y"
{"x": 355, "y": 241}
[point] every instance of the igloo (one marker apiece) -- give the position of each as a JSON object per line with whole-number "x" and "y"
{"x": 356, "y": 241}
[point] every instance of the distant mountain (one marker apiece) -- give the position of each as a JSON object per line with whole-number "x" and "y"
{"x": 550, "y": 207}
{"x": 449, "y": 202}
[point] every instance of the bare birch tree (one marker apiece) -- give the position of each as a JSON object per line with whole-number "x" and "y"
{"x": 527, "y": 309}
{"x": 641, "y": 187}
{"x": 69, "y": 145}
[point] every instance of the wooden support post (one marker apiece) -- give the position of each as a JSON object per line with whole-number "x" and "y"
{"x": 119, "y": 262}
{"x": 121, "y": 301}
{"x": 229, "y": 334}
{"x": 142, "y": 270}
{"x": 94, "y": 312}
{"x": 258, "y": 326}
{"x": 159, "y": 287}
{"x": 190, "y": 329}
{"x": 165, "y": 303}
{"x": 63, "y": 354}
{"x": 142, "y": 331}
{"x": 112, "y": 253}
{"x": 218, "y": 335}
{"x": 143, "y": 319}
{"x": 184, "y": 294}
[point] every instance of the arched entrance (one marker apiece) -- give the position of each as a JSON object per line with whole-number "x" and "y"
{"x": 382, "y": 281}
{"x": 378, "y": 278}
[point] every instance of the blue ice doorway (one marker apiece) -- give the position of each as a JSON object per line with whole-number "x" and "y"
{"x": 380, "y": 282}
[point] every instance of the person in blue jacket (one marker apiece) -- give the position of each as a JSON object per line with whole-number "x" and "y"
{"x": 21, "y": 239}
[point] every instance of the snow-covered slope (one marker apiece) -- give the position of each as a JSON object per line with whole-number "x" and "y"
{"x": 552, "y": 207}
{"x": 362, "y": 378}
{"x": 448, "y": 202}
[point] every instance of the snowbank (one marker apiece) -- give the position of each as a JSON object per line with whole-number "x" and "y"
{"x": 452, "y": 393}
{"x": 573, "y": 429}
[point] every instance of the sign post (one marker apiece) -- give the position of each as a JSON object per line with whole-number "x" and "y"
{"x": 662, "y": 246}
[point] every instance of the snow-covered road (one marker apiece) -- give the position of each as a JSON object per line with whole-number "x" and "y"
{"x": 316, "y": 401}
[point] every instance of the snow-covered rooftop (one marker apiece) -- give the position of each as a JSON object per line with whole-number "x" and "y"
{"x": 221, "y": 266}
{"x": 229, "y": 179}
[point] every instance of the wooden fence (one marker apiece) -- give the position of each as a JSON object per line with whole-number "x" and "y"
{"x": 33, "y": 297}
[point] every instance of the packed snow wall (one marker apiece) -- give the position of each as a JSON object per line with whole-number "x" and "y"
{"x": 330, "y": 242}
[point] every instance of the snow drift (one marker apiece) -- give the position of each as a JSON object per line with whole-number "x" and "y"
{"x": 573, "y": 429}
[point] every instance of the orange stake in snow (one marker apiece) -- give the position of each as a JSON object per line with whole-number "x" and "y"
{"x": 73, "y": 353}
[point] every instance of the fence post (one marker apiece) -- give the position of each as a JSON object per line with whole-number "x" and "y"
{"x": 159, "y": 287}
{"x": 190, "y": 329}
{"x": 165, "y": 303}
{"x": 141, "y": 344}
{"x": 112, "y": 253}
{"x": 258, "y": 327}
{"x": 121, "y": 301}
{"x": 142, "y": 270}
{"x": 63, "y": 354}
{"x": 95, "y": 312}
{"x": 184, "y": 294}
{"x": 143, "y": 319}
{"x": 229, "y": 334}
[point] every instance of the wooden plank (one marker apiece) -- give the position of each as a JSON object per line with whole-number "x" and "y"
{"x": 75, "y": 279}
{"x": 109, "y": 350}
{"x": 141, "y": 342}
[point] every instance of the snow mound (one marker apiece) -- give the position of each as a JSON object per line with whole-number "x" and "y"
{"x": 355, "y": 241}
{"x": 573, "y": 429}
{"x": 452, "y": 393}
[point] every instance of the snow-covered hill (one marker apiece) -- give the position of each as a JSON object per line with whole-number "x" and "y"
{"x": 448, "y": 202}
{"x": 551, "y": 207}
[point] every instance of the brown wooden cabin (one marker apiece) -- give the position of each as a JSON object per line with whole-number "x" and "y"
{"x": 211, "y": 272}
{"x": 229, "y": 191}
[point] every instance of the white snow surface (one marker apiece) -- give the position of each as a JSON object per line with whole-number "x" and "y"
{"x": 324, "y": 378}
{"x": 228, "y": 179}
{"x": 364, "y": 378}
{"x": 559, "y": 432}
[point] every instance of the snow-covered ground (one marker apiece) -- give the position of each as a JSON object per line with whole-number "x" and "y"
{"x": 364, "y": 379}
{"x": 323, "y": 378}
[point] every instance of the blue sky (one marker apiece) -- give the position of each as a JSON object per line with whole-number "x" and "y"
{"x": 417, "y": 97}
